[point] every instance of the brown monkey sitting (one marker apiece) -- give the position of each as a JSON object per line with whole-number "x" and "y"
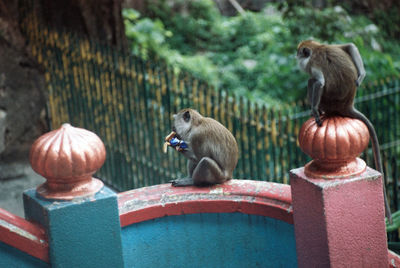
{"x": 210, "y": 148}
{"x": 336, "y": 71}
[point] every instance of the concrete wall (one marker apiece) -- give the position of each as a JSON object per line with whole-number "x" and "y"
{"x": 210, "y": 240}
{"x": 237, "y": 224}
{"x": 13, "y": 257}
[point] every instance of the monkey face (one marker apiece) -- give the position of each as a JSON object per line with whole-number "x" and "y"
{"x": 304, "y": 52}
{"x": 303, "y": 56}
{"x": 182, "y": 123}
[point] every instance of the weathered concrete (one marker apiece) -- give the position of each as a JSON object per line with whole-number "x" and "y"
{"x": 23, "y": 235}
{"x": 251, "y": 197}
{"x": 240, "y": 223}
{"x": 339, "y": 222}
{"x": 224, "y": 240}
{"x": 83, "y": 232}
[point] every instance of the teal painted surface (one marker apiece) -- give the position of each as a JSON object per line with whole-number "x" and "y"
{"x": 84, "y": 232}
{"x": 210, "y": 240}
{"x": 12, "y": 257}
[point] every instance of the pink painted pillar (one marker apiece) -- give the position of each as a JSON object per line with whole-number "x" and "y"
{"x": 338, "y": 208}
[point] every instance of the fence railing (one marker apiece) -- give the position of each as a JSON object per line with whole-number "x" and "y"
{"x": 129, "y": 103}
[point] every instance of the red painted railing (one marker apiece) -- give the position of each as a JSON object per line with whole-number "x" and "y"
{"x": 23, "y": 235}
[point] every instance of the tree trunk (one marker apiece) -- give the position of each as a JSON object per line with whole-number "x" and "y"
{"x": 22, "y": 83}
{"x": 22, "y": 98}
{"x": 98, "y": 19}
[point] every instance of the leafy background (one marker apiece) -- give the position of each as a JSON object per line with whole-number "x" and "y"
{"x": 253, "y": 54}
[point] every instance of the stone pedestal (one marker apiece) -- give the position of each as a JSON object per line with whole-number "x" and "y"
{"x": 79, "y": 214}
{"x": 339, "y": 222}
{"x": 83, "y": 232}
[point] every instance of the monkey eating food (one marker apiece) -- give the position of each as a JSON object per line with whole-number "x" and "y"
{"x": 210, "y": 148}
{"x": 336, "y": 71}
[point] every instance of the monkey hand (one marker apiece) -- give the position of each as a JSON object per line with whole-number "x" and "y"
{"x": 360, "y": 78}
{"x": 182, "y": 146}
{"x": 172, "y": 141}
{"x": 179, "y": 145}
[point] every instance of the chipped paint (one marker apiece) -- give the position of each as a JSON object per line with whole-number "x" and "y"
{"x": 137, "y": 204}
{"x": 394, "y": 259}
{"x": 217, "y": 191}
{"x": 245, "y": 196}
{"x": 23, "y": 235}
{"x": 369, "y": 175}
{"x": 79, "y": 225}
{"x": 333, "y": 209}
{"x": 19, "y": 231}
{"x": 290, "y": 209}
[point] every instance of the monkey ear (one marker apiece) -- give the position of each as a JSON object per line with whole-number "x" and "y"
{"x": 186, "y": 116}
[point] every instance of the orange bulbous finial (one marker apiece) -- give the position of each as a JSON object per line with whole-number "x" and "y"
{"x": 68, "y": 157}
{"x": 334, "y": 147}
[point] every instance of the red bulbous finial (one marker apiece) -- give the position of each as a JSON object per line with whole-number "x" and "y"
{"x": 334, "y": 146}
{"x": 68, "y": 157}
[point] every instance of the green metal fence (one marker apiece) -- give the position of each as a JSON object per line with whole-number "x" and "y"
{"x": 129, "y": 103}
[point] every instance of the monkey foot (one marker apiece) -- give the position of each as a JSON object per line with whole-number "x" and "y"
{"x": 318, "y": 121}
{"x": 182, "y": 182}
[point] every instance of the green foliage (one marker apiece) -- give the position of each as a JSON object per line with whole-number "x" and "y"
{"x": 254, "y": 54}
{"x": 192, "y": 22}
{"x": 147, "y": 36}
{"x": 328, "y": 24}
{"x": 389, "y": 21}
{"x": 334, "y": 25}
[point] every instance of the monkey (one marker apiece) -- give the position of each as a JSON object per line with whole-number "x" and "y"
{"x": 335, "y": 73}
{"x": 210, "y": 148}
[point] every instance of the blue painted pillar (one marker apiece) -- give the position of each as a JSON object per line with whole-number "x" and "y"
{"x": 82, "y": 232}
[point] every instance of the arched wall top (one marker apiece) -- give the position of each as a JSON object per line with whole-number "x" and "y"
{"x": 246, "y": 196}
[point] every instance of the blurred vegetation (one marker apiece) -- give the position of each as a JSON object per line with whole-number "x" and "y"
{"x": 253, "y": 54}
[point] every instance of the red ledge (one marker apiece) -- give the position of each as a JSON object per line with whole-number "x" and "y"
{"x": 23, "y": 235}
{"x": 250, "y": 197}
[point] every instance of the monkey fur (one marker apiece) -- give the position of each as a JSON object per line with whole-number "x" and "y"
{"x": 336, "y": 71}
{"x": 212, "y": 151}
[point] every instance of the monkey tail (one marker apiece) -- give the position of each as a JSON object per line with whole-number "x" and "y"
{"x": 377, "y": 155}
